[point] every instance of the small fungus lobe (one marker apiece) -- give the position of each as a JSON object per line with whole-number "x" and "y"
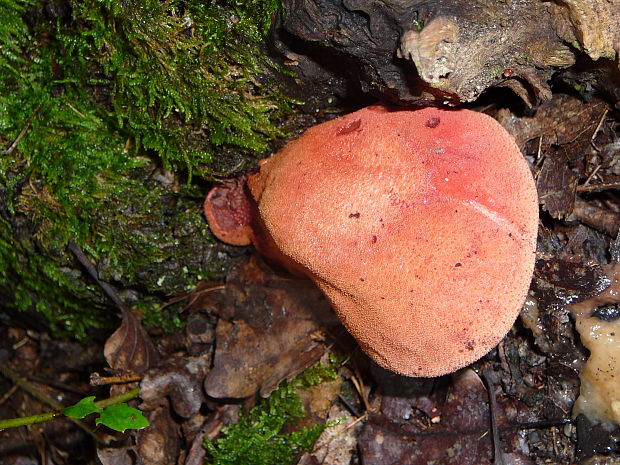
{"x": 229, "y": 213}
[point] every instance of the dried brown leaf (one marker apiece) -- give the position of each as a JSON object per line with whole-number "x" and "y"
{"x": 601, "y": 219}
{"x": 572, "y": 277}
{"x": 337, "y": 443}
{"x": 560, "y": 121}
{"x": 129, "y": 348}
{"x": 556, "y": 185}
{"x": 247, "y": 359}
{"x": 272, "y": 333}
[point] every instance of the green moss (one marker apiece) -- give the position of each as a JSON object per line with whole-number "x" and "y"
{"x": 153, "y": 315}
{"x": 185, "y": 75}
{"x": 321, "y": 372}
{"x": 257, "y": 438}
{"x": 13, "y": 34}
{"x": 91, "y": 100}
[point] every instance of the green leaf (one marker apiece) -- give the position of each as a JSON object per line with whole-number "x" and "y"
{"x": 121, "y": 417}
{"x": 84, "y": 407}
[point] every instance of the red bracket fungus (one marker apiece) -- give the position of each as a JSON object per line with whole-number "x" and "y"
{"x": 419, "y": 226}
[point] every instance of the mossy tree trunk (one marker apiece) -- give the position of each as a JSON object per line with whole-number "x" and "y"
{"x": 113, "y": 114}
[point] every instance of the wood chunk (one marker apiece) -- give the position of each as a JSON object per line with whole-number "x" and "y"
{"x": 458, "y": 48}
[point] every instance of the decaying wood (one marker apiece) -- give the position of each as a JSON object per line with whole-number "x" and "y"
{"x": 592, "y": 24}
{"x": 451, "y": 51}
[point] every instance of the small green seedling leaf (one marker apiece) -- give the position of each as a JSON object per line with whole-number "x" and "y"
{"x": 121, "y": 417}
{"x": 84, "y": 407}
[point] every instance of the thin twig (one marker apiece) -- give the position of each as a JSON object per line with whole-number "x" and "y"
{"x": 8, "y": 394}
{"x": 22, "y": 133}
{"x": 498, "y": 455}
{"x": 55, "y": 384}
{"x": 76, "y": 110}
{"x": 359, "y": 386}
{"x": 350, "y": 407}
{"x": 592, "y": 174}
{"x": 599, "y": 187}
{"x": 539, "y": 159}
{"x": 540, "y": 424}
{"x": 86, "y": 263}
{"x": 598, "y": 127}
{"x": 29, "y": 388}
{"x": 96, "y": 380}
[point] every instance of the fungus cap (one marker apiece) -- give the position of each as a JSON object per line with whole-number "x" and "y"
{"x": 419, "y": 226}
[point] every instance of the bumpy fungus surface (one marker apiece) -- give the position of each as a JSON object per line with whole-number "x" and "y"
{"x": 419, "y": 226}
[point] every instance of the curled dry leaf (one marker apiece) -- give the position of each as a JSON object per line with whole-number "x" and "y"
{"x": 571, "y": 278}
{"x": 601, "y": 219}
{"x": 129, "y": 348}
{"x": 560, "y": 121}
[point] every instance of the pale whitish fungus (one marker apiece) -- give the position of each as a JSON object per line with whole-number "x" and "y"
{"x": 599, "y": 394}
{"x": 419, "y": 226}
